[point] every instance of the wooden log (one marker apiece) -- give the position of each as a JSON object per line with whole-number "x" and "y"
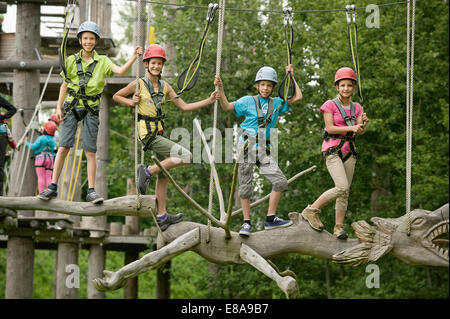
{"x": 8, "y": 65}
{"x": 19, "y": 268}
{"x": 116, "y": 229}
{"x": 67, "y": 282}
{"x": 120, "y": 206}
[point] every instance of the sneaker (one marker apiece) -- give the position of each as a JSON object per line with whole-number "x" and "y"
{"x": 277, "y": 223}
{"x": 47, "y": 194}
{"x": 311, "y": 215}
{"x": 143, "y": 179}
{"x": 94, "y": 198}
{"x": 245, "y": 230}
{"x": 339, "y": 231}
{"x": 170, "y": 219}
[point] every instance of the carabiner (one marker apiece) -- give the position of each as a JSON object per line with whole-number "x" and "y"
{"x": 212, "y": 8}
{"x": 287, "y": 13}
{"x": 353, "y": 13}
{"x": 347, "y": 12}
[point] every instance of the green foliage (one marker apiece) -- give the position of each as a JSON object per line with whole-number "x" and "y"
{"x": 320, "y": 47}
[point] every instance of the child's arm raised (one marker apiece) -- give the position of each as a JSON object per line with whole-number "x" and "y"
{"x": 122, "y": 70}
{"x": 121, "y": 96}
{"x": 298, "y": 93}
{"x": 186, "y": 107}
{"x": 226, "y": 106}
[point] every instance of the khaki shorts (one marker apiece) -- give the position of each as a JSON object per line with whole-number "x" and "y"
{"x": 164, "y": 148}
{"x": 268, "y": 167}
{"x": 69, "y": 127}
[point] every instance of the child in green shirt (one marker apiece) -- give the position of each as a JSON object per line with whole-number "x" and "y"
{"x": 84, "y": 76}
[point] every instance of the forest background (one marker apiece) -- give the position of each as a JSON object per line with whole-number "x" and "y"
{"x": 252, "y": 40}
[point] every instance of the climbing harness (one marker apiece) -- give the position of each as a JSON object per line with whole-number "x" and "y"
{"x": 157, "y": 98}
{"x": 348, "y": 137}
{"x": 411, "y": 17}
{"x": 189, "y": 76}
{"x": 352, "y": 32}
{"x": 62, "y": 54}
{"x": 286, "y": 89}
{"x": 81, "y": 94}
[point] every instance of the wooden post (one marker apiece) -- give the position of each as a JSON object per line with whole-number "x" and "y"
{"x": 97, "y": 253}
{"x": 163, "y": 281}
{"x": 20, "y": 255}
{"x": 67, "y": 253}
{"x": 19, "y": 268}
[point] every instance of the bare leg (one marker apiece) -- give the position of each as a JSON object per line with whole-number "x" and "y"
{"x": 161, "y": 194}
{"x": 91, "y": 168}
{"x": 115, "y": 280}
{"x": 168, "y": 163}
{"x": 59, "y": 163}
{"x": 322, "y": 200}
{"x": 274, "y": 199}
{"x": 245, "y": 204}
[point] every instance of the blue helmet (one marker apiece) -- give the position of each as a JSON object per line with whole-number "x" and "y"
{"x": 89, "y": 26}
{"x": 266, "y": 73}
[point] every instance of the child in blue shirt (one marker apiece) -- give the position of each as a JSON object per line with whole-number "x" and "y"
{"x": 261, "y": 114}
{"x": 44, "y": 152}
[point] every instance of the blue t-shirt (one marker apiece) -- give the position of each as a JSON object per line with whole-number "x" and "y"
{"x": 43, "y": 143}
{"x": 246, "y": 106}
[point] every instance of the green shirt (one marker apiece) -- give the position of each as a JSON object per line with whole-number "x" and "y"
{"x": 96, "y": 83}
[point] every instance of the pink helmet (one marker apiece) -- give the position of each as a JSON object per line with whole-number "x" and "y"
{"x": 154, "y": 51}
{"x": 50, "y": 128}
{"x": 345, "y": 73}
{"x": 54, "y": 118}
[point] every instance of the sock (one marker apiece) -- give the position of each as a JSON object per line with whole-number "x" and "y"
{"x": 248, "y": 221}
{"x": 148, "y": 172}
{"x": 270, "y": 218}
{"x": 90, "y": 190}
{"x": 160, "y": 218}
{"x": 53, "y": 186}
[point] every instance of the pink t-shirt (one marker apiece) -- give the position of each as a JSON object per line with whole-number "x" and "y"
{"x": 330, "y": 107}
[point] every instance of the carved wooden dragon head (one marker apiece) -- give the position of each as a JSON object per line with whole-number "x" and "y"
{"x": 423, "y": 247}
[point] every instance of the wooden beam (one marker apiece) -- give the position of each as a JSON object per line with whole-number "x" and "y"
{"x": 120, "y": 206}
{"x": 8, "y": 65}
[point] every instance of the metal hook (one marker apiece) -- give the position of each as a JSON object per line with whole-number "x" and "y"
{"x": 347, "y": 12}
{"x": 354, "y": 13}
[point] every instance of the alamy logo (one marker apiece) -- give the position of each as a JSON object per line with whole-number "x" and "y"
{"x": 73, "y": 277}
{"x": 373, "y": 279}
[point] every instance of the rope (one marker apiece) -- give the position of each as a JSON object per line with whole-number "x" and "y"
{"x": 136, "y": 133}
{"x": 213, "y": 148}
{"x": 353, "y": 44}
{"x": 409, "y": 104}
{"x": 189, "y": 76}
{"x": 23, "y": 138}
{"x": 286, "y": 89}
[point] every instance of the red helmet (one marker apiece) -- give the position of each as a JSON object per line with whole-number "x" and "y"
{"x": 50, "y": 128}
{"x": 54, "y": 118}
{"x": 154, "y": 51}
{"x": 345, "y": 73}
{"x": 4, "y": 120}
